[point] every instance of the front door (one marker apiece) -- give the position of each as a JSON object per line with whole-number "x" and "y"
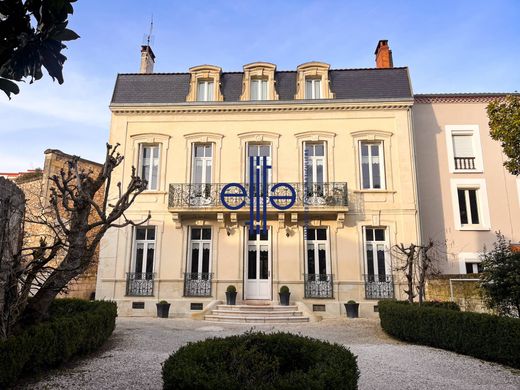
{"x": 258, "y": 266}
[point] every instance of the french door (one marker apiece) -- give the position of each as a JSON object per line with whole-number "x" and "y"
{"x": 315, "y": 171}
{"x": 201, "y": 173}
{"x": 258, "y": 265}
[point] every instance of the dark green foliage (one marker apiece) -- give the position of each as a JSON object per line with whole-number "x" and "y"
{"x": 284, "y": 290}
{"x": 231, "y": 288}
{"x": 261, "y": 361}
{"x": 500, "y": 278}
{"x": 483, "y": 336}
{"x": 76, "y": 327}
{"x": 25, "y": 46}
{"x": 437, "y": 304}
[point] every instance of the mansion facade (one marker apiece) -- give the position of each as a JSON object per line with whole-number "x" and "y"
{"x": 360, "y": 152}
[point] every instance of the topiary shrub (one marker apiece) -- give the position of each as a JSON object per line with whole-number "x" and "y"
{"x": 231, "y": 289}
{"x": 437, "y": 304}
{"x": 483, "y": 336}
{"x": 76, "y": 327}
{"x": 261, "y": 361}
{"x": 284, "y": 290}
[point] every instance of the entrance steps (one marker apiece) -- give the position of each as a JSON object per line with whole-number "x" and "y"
{"x": 256, "y": 314}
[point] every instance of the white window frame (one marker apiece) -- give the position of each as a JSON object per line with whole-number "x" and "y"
{"x": 468, "y": 257}
{"x": 208, "y": 91}
{"x": 482, "y": 203}
{"x": 313, "y": 81}
{"x": 269, "y": 160}
{"x": 148, "y": 179}
{"x": 381, "y": 165}
{"x": 260, "y": 81}
{"x": 204, "y": 160}
{"x": 472, "y": 130}
{"x": 316, "y": 242}
{"x": 146, "y": 242}
{"x": 388, "y": 259}
{"x": 201, "y": 243}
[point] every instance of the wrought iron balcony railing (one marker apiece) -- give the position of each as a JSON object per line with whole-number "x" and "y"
{"x": 139, "y": 284}
{"x": 465, "y": 163}
{"x": 197, "y": 284}
{"x": 185, "y": 195}
{"x": 318, "y": 286}
{"x": 379, "y": 286}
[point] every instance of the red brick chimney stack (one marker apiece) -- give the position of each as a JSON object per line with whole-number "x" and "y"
{"x": 383, "y": 55}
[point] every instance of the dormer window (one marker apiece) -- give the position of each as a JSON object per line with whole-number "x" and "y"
{"x": 205, "y": 90}
{"x": 313, "y": 88}
{"x": 259, "y": 88}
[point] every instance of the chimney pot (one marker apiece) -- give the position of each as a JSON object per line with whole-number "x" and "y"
{"x": 383, "y": 55}
{"x": 147, "y": 59}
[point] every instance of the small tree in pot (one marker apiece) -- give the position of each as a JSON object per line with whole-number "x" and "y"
{"x": 163, "y": 309}
{"x": 284, "y": 294}
{"x": 231, "y": 295}
{"x": 352, "y": 308}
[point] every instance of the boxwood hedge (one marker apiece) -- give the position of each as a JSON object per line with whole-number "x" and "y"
{"x": 483, "y": 336}
{"x": 261, "y": 361}
{"x": 75, "y": 327}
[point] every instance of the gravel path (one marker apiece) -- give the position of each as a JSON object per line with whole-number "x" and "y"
{"x": 132, "y": 358}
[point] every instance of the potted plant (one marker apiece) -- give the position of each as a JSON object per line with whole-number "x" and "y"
{"x": 231, "y": 295}
{"x": 163, "y": 308}
{"x": 352, "y": 308}
{"x": 284, "y": 294}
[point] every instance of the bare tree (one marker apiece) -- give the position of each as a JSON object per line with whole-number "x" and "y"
{"x": 77, "y": 215}
{"x": 419, "y": 263}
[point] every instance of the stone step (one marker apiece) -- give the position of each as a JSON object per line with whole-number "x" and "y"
{"x": 259, "y": 307}
{"x": 255, "y": 320}
{"x": 257, "y": 313}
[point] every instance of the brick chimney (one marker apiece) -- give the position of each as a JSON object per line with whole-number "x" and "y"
{"x": 383, "y": 55}
{"x": 147, "y": 59}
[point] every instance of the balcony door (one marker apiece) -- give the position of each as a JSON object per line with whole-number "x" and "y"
{"x": 378, "y": 268}
{"x": 201, "y": 176}
{"x": 257, "y": 268}
{"x": 254, "y": 172}
{"x": 315, "y": 172}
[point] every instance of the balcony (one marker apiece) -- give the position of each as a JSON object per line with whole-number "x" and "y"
{"x": 465, "y": 163}
{"x": 139, "y": 284}
{"x": 207, "y": 196}
{"x": 197, "y": 284}
{"x": 379, "y": 287}
{"x": 318, "y": 286}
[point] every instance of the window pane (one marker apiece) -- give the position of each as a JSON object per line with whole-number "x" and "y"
{"x": 322, "y": 259}
{"x": 252, "y": 150}
{"x": 381, "y": 260}
{"x": 469, "y": 268}
{"x": 197, "y": 176}
{"x": 150, "y": 233}
{"x": 308, "y": 89}
{"x": 365, "y": 171}
{"x": 321, "y": 234}
{"x": 149, "y": 258}
{"x": 370, "y": 260}
{"x": 264, "y": 262}
{"x": 473, "y": 207}
{"x": 154, "y": 175}
{"x": 139, "y": 257}
{"x": 320, "y": 149}
{"x": 251, "y": 262}
{"x": 254, "y": 89}
{"x": 205, "y": 257}
{"x": 265, "y": 150}
{"x": 200, "y": 91}
{"x": 310, "y": 234}
{"x": 199, "y": 151}
{"x": 309, "y": 149}
{"x": 206, "y": 234}
{"x": 462, "y": 207}
{"x": 317, "y": 89}
{"x": 209, "y": 92}
{"x": 370, "y": 234}
{"x": 311, "y": 267}
{"x": 195, "y": 233}
{"x": 194, "y": 257}
{"x": 380, "y": 234}
{"x": 264, "y": 90}
{"x": 208, "y": 171}
{"x": 140, "y": 233}
{"x": 208, "y": 150}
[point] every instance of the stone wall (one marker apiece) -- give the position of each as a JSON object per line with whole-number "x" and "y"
{"x": 466, "y": 293}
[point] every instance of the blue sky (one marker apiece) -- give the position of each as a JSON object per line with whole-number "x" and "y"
{"x": 449, "y": 46}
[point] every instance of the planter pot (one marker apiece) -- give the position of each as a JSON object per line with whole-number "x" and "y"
{"x": 162, "y": 310}
{"x": 231, "y": 298}
{"x": 284, "y": 298}
{"x": 352, "y": 310}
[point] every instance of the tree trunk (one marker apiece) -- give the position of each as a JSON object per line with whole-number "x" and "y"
{"x": 12, "y": 208}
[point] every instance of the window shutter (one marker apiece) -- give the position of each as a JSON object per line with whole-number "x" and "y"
{"x": 463, "y": 146}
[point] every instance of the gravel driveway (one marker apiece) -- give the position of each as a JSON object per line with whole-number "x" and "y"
{"x": 132, "y": 358}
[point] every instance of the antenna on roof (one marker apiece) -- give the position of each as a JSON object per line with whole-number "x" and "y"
{"x": 148, "y": 39}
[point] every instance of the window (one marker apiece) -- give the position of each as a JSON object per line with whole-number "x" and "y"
{"x": 316, "y": 249}
{"x": 144, "y": 252}
{"x": 258, "y": 150}
{"x": 258, "y": 89}
{"x": 312, "y": 88}
{"x": 201, "y": 170}
{"x": 149, "y": 166}
{"x": 372, "y": 165}
{"x": 200, "y": 253}
{"x": 468, "y": 206}
{"x": 377, "y": 261}
{"x": 464, "y": 151}
{"x": 205, "y": 90}
{"x": 315, "y": 168}
{"x": 473, "y": 268}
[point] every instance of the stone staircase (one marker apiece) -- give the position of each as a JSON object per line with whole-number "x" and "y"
{"x": 256, "y": 314}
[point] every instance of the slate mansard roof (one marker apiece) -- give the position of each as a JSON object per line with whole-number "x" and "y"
{"x": 348, "y": 84}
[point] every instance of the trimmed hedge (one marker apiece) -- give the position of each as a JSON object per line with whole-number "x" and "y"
{"x": 261, "y": 361}
{"x": 483, "y": 336}
{"x": 76, "y": 327}
{"x": 437, "y": 304}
